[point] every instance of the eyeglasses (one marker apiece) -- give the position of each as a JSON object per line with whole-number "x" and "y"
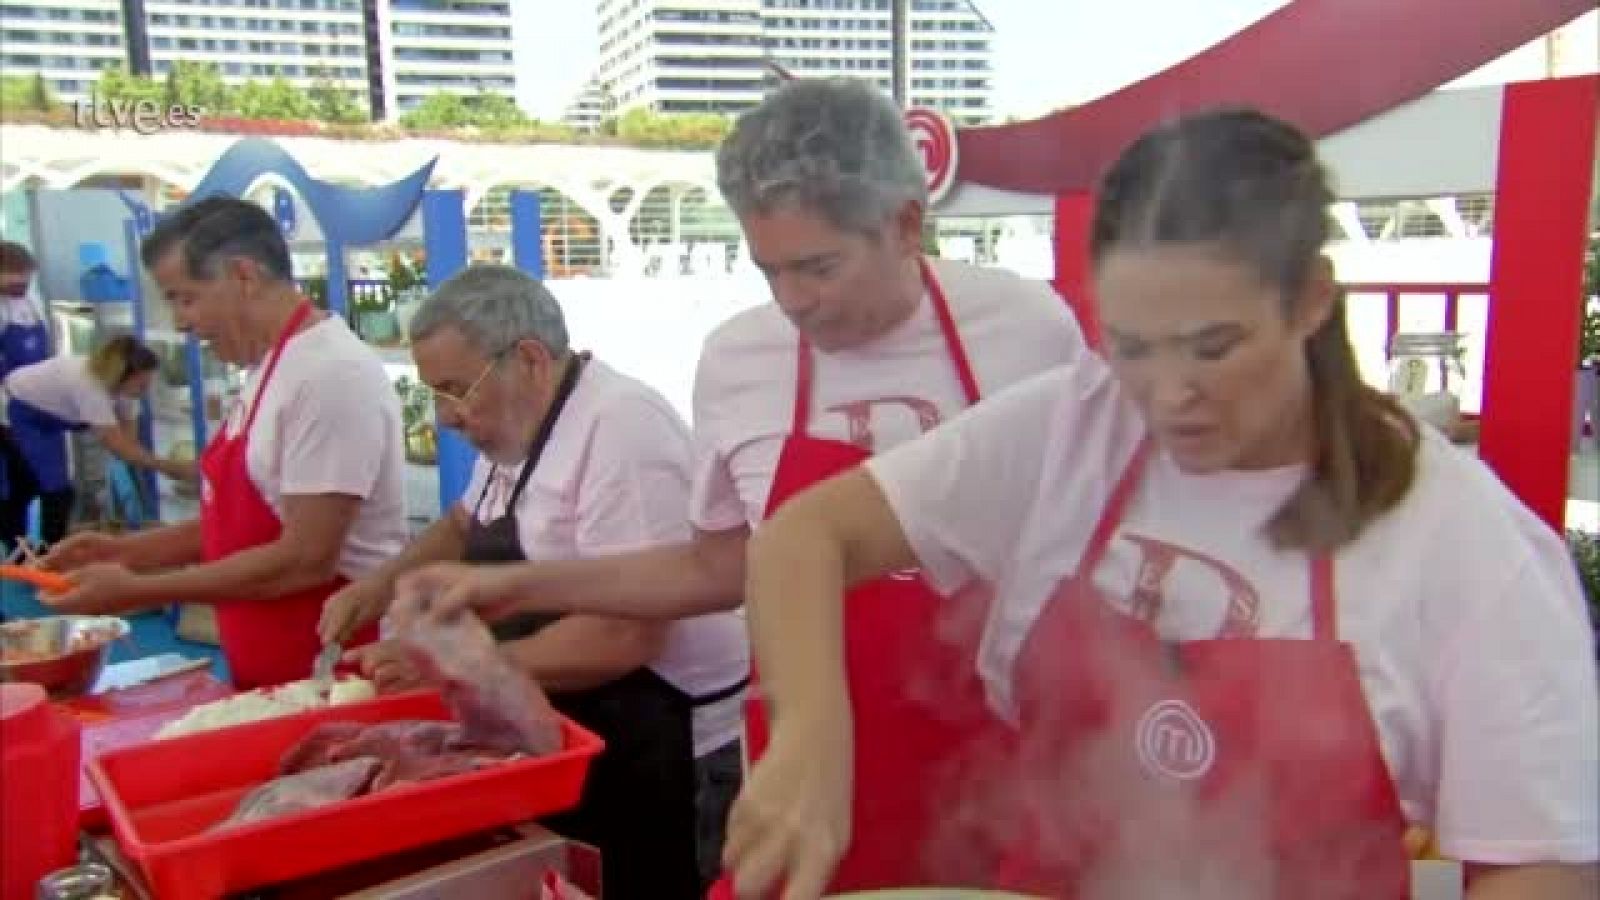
{"x": 464, "y": 402}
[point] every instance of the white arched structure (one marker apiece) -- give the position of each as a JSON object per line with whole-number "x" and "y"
{"x": 57, "y": 158}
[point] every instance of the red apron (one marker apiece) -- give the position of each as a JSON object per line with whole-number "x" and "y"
{"x": 267, "y": 641}
{"x": 1235, "y": 767}
{"x": 920, "y": 715}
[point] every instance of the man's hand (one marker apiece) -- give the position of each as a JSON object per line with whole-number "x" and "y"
{"x": 391, "y": 666}
{"x": 352, "y": 607}
{"x": 180, "y": 469}
{"x": 443, "y": 590}
{"x": 82, "y": 549}
{"x": 99, "y": 589}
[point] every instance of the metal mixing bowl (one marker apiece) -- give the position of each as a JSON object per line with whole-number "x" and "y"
{"x": 63, "y": 654}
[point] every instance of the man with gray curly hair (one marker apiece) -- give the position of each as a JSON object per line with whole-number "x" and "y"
{"x": 576, "y": 460}
{"x": 867, "y": 344}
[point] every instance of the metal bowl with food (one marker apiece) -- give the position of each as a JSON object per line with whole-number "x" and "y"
{"x": 63, "y": 654}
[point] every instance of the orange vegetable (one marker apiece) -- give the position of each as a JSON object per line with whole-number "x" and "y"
{"x": 49, "y": 582}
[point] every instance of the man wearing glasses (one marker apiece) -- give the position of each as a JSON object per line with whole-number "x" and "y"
{"x": 577, "y": 460}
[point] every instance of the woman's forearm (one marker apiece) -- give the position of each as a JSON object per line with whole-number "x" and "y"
{"x": 1544, "y": 882}
{"x": 794, "y": 595}
{"x": 122, "y": 444}
{"x": 801, "y": 561}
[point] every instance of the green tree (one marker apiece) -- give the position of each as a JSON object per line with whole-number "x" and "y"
{"x": 447, "y": 111}
{"x": 551, "y": 132}
{"x": 642, "y": 126}
{"x": 275, "y": 99}
{"x": 16, "y": 93}
{"x": 690, "y": 130}
{"x": 702, "y": 129}
{"x": 115, "y": 84}
{"x": 40, "y": 97}
{"x": 438, "y": 112}
{"x": 335, "y": 104}
{"x": 198, "y": 84}
{"x": 496, "y": 112}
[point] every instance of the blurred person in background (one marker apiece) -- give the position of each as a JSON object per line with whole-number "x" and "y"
{"x": 46, "y": 401}
{"x": 24, "y": 331}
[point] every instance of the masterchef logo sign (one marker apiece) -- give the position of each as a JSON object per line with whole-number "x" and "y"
{"x": 935, "y": 140}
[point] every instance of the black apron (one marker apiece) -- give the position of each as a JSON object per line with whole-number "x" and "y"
{"x": 638, "y": 804}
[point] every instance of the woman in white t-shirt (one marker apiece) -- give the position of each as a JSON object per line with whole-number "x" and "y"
{"x": 62, "y": 394}
{"x": 1251, "y": 620}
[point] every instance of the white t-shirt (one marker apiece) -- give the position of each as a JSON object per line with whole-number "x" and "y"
{"x": 25, "y": 310}
{"x": 330, "y": 424}
{"x": 614, "y": 478}
{"x": 877, "y": 395}
{"x": 63, "y": 387}
{"x": 1469, "y": 628}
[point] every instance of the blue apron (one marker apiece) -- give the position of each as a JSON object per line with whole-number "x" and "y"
{"x": 41, "y": 437}
{"x": 22, "y": 344}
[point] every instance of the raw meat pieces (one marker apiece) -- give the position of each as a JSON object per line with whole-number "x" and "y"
{"x": 340, "y": 760}
{"x": 501, "y": 714}
{"x": 498, "y": 706}
{"x": 305, "y": 790}
{"x": 410, "y": 750}
{"x": 555, "y": 887}
{"x": 319, "y": 748}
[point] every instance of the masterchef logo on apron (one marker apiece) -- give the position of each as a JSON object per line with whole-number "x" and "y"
{"x": 1172, "y": 741}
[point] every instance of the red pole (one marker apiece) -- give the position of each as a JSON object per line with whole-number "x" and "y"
{"x": 1542, "y": 195}
{"x": 1074, "y": 217}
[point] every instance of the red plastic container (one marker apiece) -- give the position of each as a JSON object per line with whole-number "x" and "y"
{"x": 38, "y": 789}
{"x": 129, "y": 716}
{"x": 104, "y": 737}
{"x": 163, "y": 797}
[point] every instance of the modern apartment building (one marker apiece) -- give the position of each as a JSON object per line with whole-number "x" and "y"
{"x": 299, "y": 40}
{"x": 453, "y": 46}
{"x": 713, "y": 55}
{"x": 682, "y": 55}
{"x": 68, "y": 43}
{"x": 587, "y": 109}
{"x": 393, "y": 53}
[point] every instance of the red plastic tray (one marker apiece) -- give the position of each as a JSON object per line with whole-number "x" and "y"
{"x": 132, "y": 716}
{"x": 104, "y": 737}
{"x": 163, "y": 796}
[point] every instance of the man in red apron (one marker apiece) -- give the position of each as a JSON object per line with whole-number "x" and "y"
{"x": 913, "y": 750}
{"x": 881, "y": 345}
{"x": 302, "y": 485}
